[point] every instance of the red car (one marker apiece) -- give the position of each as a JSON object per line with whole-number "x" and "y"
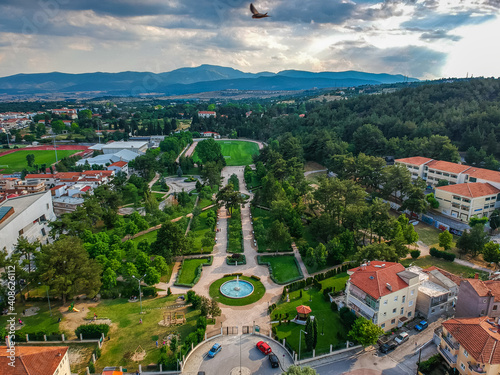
{"x": 263, "y": 347}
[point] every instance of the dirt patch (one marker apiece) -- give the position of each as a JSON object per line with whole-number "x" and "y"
{"x": 73, "y": 319}
{"x": 313, "y": 166}
{"x": 79, "y": 356}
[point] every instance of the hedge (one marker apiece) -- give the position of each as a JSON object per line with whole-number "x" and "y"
{"x": 92, "y": 330}
{"x": 442, "y": 254}
{"x": 240, "y": 258}
{"x": 301, "y": 275}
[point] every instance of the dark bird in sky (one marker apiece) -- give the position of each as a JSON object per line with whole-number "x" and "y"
{"x": 255, "y": 12}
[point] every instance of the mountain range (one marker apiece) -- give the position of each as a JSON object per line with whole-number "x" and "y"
{"x": 182, "y": 81}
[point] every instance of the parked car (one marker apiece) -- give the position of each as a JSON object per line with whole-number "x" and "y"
{"x": 273, "y": 358}
{"x": 421, "y": 326}
{"x": 401, "y": 338}
{"x": 388, "y": 347}
{"x": 215, "y": 349}
{"x": 263, "y": 347}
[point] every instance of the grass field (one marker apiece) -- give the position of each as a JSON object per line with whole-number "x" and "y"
{"x": 430, "y": 235}
{"x": 189, "y": 267}
{"x": 328, "y": 321}
{"x": 16, "y": 161}
{"x": 284, "y": 268}
{"x": 452, "y": 267}
{"x": 235, "y": 152}
{"x": 198, "y": 233}
{"x": 151, "y": 237}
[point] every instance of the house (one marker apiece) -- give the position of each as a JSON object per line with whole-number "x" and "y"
{"x": 29, "y": 360}
{"x": 415, "y": 165}
{"x": 66, "y": 204}
{"x": 119, "y": 166}
{"x": 210, "y": 135}
{"x": 437, "y": 170}
{"x": 123, "y": 155}
{"x": 483, "y": 175}
{"x": 139, "y": 147}
{"x": 58, "y": 191}
{"x": 206, "y": 114}
{"x": 383, "y": 292}
{"x": 478, "y": 298}
{"x": 451, "y": 276}
{"x": 79, "y": 190}
{"x": 471, "y": 345}
{"x": 465, "y": 200}
{"x": 28, "y": 216}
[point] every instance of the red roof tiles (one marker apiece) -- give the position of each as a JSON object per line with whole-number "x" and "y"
{"x": 456, "y": 279}
{"x": 415, "y": 160}
{"x": 373, "y": 279}
{"x": 32, "y": 360}
{"x": 484, "y": 174}
{"x": 119, "y": 164}
{"x": 446, "y": 166}
{"x": 472, "y": 190}
{"x": 486, "y": 288}
{"x": 477, "y": 336}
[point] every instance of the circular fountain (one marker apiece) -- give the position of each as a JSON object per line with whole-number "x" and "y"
{"x": 236, "y": 288}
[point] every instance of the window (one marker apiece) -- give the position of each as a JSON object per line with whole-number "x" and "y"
{"x": 395, "y": 298}
{"x": 409, "y": 314}
{"x": 382, "y": 326}
{"x": 386, "y": 301}
{"x": 385, "y": 313}
{"x": 462, "y": 366}
{"x": 446, "y": 174}
{"x": 412, "y": 292}
{"x": 482, "y": 312}
{"x": 394, "y": 311}
{"x": 402, "y": 310}
{"x": 487, "y": 199}
{"x": 393, "y": 321}
{"x": 21, "y": 232}
{"x": 404, "y": 299}
{"x": 495, "y": 307}
{"x": 472, "y": 179}
{"x": 410, "y": 303}
{"x": 466, "y": 353}
{"x": 48, "y": 206}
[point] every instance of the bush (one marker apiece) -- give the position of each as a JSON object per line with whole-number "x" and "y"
{"x": 92, "y": 330}
{"x": 91, "y": 367}
{"x": 148, "y": 291}
{"x": 109, "y": 294}
{"x": 255, "y": 277}
{"x": 427, "y": 366}
{"x": 415, "y": 254}
{"x": 442, "y": 254}
{"x": 347, "y": 317}
{"x": 334, "y": 306}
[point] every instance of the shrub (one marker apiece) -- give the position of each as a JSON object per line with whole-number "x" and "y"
{"x": 334, "y": 306}
{"x": 255, "y": 277}
{"x": 149, "y": 291}
{"x": 169, "y": 292}
{"x": 427, "y": 366}
{"x": 442, "y": 254}
{"x": 91, "y": 367}
{"x": 92, "y": 330}
{"x": 415, "y": 254}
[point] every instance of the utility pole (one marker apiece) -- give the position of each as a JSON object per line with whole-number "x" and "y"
{"x": 55, "y": 149}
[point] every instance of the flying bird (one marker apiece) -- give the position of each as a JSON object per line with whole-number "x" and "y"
{"x": 255, "y": 12}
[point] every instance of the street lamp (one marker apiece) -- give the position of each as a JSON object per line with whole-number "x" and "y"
{"x": 140, "y": 296}
{"x": 48, "y": 299}
{"x": 300, "y": 339}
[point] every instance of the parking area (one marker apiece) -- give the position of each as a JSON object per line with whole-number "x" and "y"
{"x": 236, "y": 350}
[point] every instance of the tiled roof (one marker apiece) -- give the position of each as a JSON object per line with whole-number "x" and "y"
{"x": 472, "y": 190}
{"x": 415, "y": 160}
{"x": 57, "y": 187}
{"x": 456, "y": 279}
{"x": 32, "y": 360}
{"x": 484, "y": 174}
{"x": 477, "y": 336}
{"x": 486, "y": 288}
{"x": 120, "y": 164}
{"x": 85, "y": 189}
{"x": 446, "y": 166}
{"x": 65, "y": 175}
{"x": 207, "y": 112}
{"x": 39, "y": 175}
{"x": 373, "y": 278}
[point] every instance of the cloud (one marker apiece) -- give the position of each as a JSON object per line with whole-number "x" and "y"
{"x": 439, "y": 34}
{"x": 446, "y": 21}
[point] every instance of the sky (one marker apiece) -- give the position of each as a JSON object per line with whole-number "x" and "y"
{"x": 424, "y": 39}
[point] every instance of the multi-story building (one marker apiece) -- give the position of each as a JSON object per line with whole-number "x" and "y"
{"x": 138, "y": 147}
{"x": 27, "y": 216}
{"x": 29, "y": 360}
{"x": 415, "y": 164}
{"x": 66, "y": 204}
{"x": 206, "y": 114}
{"x": 119, "y": 166}
{"x": 471, "y": 345}
{"x": 383, "y": 292}
{"x": 437, "y": 170}
{"x": 463, "y": 201}
{"x": 14, "y": 185}
{"x": 478, "y": 298}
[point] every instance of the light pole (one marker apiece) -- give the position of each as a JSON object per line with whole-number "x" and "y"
{"x": 140, "y": 296}
{"x": 300, "y": 339}
{"x": 48, "y": 299}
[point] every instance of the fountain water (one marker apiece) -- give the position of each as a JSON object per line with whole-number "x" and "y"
{"x": 237, "y": 288}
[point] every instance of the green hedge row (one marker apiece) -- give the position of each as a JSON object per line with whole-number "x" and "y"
{"x": 240, "y": 258}
{"x": 442, "y": 254}
{"x": 92, "y": 330}
{"x": 199, "y": 270}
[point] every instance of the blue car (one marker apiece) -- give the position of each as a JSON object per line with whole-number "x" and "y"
{"x": 421, "y": 326}
{"x": 215, "y": 349}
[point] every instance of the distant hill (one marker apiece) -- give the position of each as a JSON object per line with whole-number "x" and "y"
{"x": 187, "y": 81}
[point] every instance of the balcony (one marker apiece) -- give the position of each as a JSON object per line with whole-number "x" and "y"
{"x": 476, "y": 369}
{"x": 452, "y": 343}
{"x": 451, "y": 359}
{"x": 362, "y": 306}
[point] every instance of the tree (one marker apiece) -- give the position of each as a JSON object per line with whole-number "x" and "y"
{"x": 85, "y": 114}
{"x": 445, "y": 240}
{"x": 230, "y": 198}
{"x": 160, "y": 265}
{"x": 310, "y": 335}
{"x": 170, "y": 241}
{"x": 297, "y": 370}
{"x": 415, "y": 254}
{"x": 491, "y": 252}
{"x": 365, "y": 332}
{"x": 152, "y": 276}
{"x": 278, "y": 237}
{"x": 474, "y": 220}
{"x": 108, "y": 279}
{"x": 209, "y": 151}
{"x": 214, "y": 309}
{"x": 66, "y": 268}
{"x": 30, "y": 158}
{"x": 472, "y": 242}
{"x": 179, "y": 171}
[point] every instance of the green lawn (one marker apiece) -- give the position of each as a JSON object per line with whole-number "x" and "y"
{"x": 189, "y": 267}
{"x": 202, "y": 203}
{"x": 127, "y": 333}
{"x": 259, "y": 291}
{"x": 235, "y": 237}
{"x": 452, "y": 267}
{"x": 338, "y": 282}
{"x": 157, "y": 186}
{"x": 328, "y": 321}
{"x": 235, "y": 152}
{"x": 175, "y": 211}
{"x": 159, "y": 196}
{"x": 151, "y": 237}
{"x": 197, "y": 234}
{"x": 429, "y": 235}
{"x": 16, "y": 161}
{"x": 284, "y": 267}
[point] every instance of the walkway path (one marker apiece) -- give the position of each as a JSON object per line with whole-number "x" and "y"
{"x": 472, "y": 265}
{"x": 181, "y": 153}
{"x": 303, "y": 268}
{"x": 317, "y": 171}
{"x": 153, "y": 181}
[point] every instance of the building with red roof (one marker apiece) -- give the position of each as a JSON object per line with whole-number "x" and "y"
{"x": 35, "y": 360}
{"x": 383, "y": 292}
{"x": 207, "y": 114}
{"x": 438, "y": 170}
{"x": 471, "y": 345}
{"x": 414, "y": 164}
{"x": 210, "y": 135}
{"x": 119, "y": 166}
{"x": 478, "y": 298}
{"x": 463, "y": 201}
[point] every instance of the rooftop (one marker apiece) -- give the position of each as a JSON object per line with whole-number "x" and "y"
{"x": 456, "y": 279}
{"x": 33, "y": 359}
{"x": 69, "y": 200}
{"x": 471, "y": 190}
{"x": 485, "y": 288}
{"x": 415, "y": 160}
{"x": 484, "y": 174}
{"x": 376, "y": 278}
{"x": 447, "y": 166}
{"x": 431, "y": 289}
{"x": 20, "y": 204}
{"x": 125, "y": 145}
{"x": 119, "y": 164}
{"x": 479, "y": 336}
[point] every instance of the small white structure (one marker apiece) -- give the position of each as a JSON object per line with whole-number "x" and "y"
{"x": 119, "y": 166}
{"x": 114, "y": 147}
{"x": 27, "y": 216}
